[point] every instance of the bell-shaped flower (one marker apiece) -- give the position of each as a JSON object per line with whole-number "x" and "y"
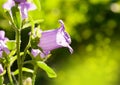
{"x": 53, "y": 39}
{"x": 23, "y": 5}
{"x": 1, "y": 69}
{"x": 3, "y": 47}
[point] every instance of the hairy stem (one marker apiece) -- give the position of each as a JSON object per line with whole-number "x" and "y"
{"x": 19, "y": 59}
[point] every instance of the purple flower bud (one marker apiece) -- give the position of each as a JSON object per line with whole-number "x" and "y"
{"x": 22, "y": 4}
{"x": 36, "y": 52}
{"x": 1, "y": 69}
{"x": 53, "y": 39}
{"x": 3, "y": 47}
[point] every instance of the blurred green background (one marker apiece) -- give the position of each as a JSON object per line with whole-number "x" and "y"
{"x": 94, "y": 26}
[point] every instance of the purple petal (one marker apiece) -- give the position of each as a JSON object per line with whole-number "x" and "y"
{"x": 2, "y": 44}
{"x": 31, "y": 6}
{"x": 9, "y": 4}
{"x": 6, "y": 50}
{"x": 53, "y": 39}
{"x": 35, "y": 52}
{"x": 25, "y": 7}
{"x": 3, "y": 47}
{"x": 1, "y": 69}
{"x": 28, "y": 6}
{"x": 63, "y": 39}
{"x": 2, "y": 35}
{"x": 48, "y": 40}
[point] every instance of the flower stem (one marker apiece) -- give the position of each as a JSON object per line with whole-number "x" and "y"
{"x": 19, "y": 59}
{"x": 34, "y": 75}
{"x": 9, "y": 75}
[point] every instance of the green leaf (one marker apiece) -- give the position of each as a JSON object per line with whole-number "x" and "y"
{"x": 11, "y": 44}
{"x": 50, "y": 72}
{"x": 16, "y": 17}
{"x": 12, "y": 53}
{"x": 23, "y": 69}
{"x": 8, "y": 16}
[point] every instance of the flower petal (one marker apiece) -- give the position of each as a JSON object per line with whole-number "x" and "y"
{"x": 2, "y": 35}
{"x": 62, "y": 38}
{"x": 48, "y": 40}
{"x": 35, "y": 52}
{"x": 25, "y": 7}
{"x": 9, "y": 4}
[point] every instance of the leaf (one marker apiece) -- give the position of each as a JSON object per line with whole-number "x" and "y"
{"x": 12, "y": 53}
{"x": 23, "y": 69}
{"x": 16, "y": 17}
{"x": 11, "y": 44}
{"x": 50, "y": 72}
{"x": 8, "y": 16}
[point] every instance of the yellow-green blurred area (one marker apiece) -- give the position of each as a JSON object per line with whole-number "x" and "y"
{"x": 94, "y": 26}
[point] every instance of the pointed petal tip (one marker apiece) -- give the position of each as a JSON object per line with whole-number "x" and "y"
{"x": 61, "y": 22}
{"x": 70, "y": 49}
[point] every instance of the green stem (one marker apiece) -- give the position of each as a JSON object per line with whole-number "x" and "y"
{"x": 1, "y": 80}
{"x": 19, "y": 59}
{"x": 9, "y": 75}
{"x": 34, "y": 74}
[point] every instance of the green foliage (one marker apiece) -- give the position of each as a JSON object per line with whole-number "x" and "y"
{"x": 11, "y": 44}
{"x": 47, "y": 69}
{"x": 23, "y": 69}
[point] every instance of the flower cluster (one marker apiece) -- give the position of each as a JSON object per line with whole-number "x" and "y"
{"x": 40, "y": 44}
{"x": 3, "y": 47}
{"x": 23, "y": 5}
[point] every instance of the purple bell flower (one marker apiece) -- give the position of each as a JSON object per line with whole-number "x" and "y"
{"x": 53, "y": 39}
{"x": 3, "y": 47}
{"x": 1, "y": 69}
{"x": 22, "y": 4}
